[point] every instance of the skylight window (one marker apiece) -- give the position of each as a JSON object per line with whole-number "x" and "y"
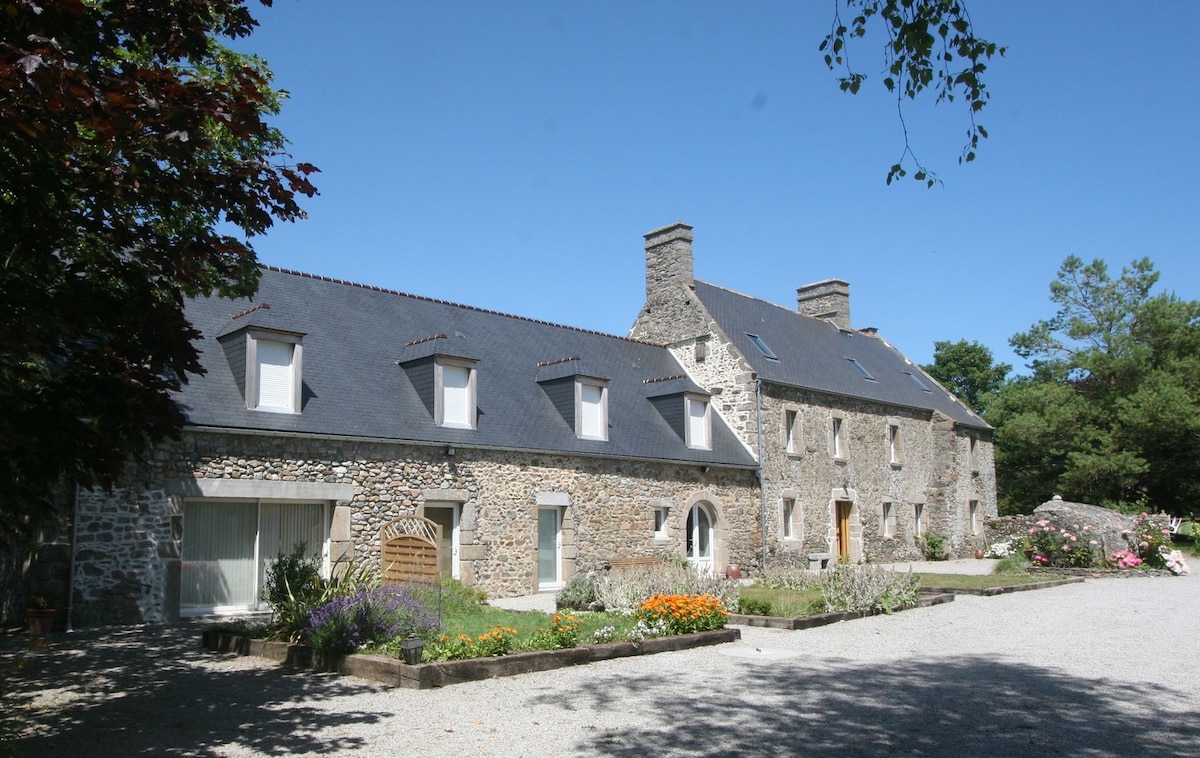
{"x": 762, "y": 346}
{"x": 866, "y": 374}
{"x": 917, "y": 381}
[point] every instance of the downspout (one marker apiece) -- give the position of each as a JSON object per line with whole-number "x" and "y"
{"x": 762, "y": 488}
{"x": 71, "y": 574}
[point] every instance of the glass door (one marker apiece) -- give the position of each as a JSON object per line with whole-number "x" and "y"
{"x": 549, "y": 548}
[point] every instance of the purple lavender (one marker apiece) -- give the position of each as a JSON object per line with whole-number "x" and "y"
{"x": 370, "y": 616}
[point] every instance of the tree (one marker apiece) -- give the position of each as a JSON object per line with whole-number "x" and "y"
{"x": 931, "y": 44}
{"x": 135, "y": 163}
{"x": 968, "y": 370}
{"x": 1111, "y": 413}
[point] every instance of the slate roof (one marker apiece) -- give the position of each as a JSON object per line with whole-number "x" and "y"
{"x": 813, "y": 354}
{"x": 354, "y": 336}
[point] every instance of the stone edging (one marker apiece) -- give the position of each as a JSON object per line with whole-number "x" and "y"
{"x": 992, "y": 591}
{"x": 1094, "y": 573}
{"x": 395, "y": 673}
{"x": 824, "y": 619}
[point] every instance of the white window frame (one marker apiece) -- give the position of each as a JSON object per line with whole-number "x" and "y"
{"x": 454, "y": 508}
{"x": 791, "y": 431}
{"x": 660, "y": 523}
{"x": 887, "y": 519}
{"x": 895, "y": 448}
{"x": 789, "y": 518}
{"x": 973, "y": 453}
{"x": 558, "y": 512}
{"x": 973, "y": 516}
{"x": 918, "y": 519}
{"x": 837, "y": 437}
{"x": 440, "y": 390}
{"x": 255, "y": 339}
{"x": 258, "y": 566}
{"x": 691, "y": 420}
{"x": 582, "y": 385}
{"x": 697, "y": 535}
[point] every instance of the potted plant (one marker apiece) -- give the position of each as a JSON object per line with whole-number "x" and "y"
{"x": 39, "y": 615}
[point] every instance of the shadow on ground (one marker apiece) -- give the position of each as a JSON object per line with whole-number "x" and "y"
{"x": 153, "y": 690}
{"x": 973, "y": 706}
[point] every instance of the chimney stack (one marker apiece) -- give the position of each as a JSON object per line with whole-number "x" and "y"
{"x": 668, "y": 261}
{"x": 828, "y": 299}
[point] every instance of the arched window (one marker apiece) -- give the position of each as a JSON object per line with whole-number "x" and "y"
{"x": 700, "y": 539}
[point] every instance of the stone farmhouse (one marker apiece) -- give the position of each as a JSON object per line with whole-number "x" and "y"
{"x": 330, "y": 409}
{"x": 861, "y": 451}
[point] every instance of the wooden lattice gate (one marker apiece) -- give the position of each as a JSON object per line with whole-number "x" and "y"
{"x": 410, "y": 549}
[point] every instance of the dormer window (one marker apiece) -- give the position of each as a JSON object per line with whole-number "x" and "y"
{"x": 455, "y": 393}
{"x": 591, "y": 409}
{"x": 273, "y": 372}
{"x": 699, "y": 422}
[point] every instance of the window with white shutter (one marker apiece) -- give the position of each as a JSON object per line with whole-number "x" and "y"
{"x": 698, "y": 428}
{"x": 275, "y": 368}
{"x": 593, "y": 411}
{"x": 456, "y": 395}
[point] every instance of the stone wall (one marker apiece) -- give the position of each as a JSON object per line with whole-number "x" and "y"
{"x": 931, "y": 470}
{"x": 131, "y": 543}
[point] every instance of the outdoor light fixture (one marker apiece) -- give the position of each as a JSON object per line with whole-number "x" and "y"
{"x": 412, "y": 647}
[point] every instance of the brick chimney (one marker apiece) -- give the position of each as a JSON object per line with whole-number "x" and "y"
{"x": 828, "y": 299}
{"x": 668, "y": 262}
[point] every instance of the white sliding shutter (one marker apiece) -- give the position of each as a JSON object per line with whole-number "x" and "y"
{"x": 697, "y": 421}
{"x": 275, "y": 383}
{"x": 591, "y": 401}
{"x": 218, "y": 555}
{"x": 456, "y": 396}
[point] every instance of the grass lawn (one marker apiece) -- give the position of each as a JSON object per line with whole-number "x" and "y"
{"x": 476, "y": 621}
{"x": 785, "y": 603}
{"x": 966, "y": 581}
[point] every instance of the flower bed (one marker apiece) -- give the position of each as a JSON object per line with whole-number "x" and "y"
{"x": 824, "y": 619}
{"x": 392, "y": 672}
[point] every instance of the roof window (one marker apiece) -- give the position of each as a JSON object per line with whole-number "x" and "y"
{"x": 762, "y": 346}
{"x": 862, "y": 370}
{"x": 917, "y": 381}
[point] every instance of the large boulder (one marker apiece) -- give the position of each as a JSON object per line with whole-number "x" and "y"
{"x": 1105, "y": 525}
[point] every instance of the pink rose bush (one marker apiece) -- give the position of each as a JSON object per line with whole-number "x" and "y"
{"x": 1060, "y": 548}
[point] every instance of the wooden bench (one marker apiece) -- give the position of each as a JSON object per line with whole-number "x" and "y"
{"x": 626, "y": 564}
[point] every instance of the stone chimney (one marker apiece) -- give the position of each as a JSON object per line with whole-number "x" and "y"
{"x": 668, "y": 262}
{"x": 828, "y": 299}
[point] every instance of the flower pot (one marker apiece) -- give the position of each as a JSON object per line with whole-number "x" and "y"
{"x": 978, "y": 553}
{"x": 733, "y": 571}
{"x": 40, "y": 621}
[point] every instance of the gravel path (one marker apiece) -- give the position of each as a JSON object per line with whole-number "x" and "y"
{"x": 1107, "y": 667}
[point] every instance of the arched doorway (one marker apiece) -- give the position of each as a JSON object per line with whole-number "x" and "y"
{"x": 700, "y": 539}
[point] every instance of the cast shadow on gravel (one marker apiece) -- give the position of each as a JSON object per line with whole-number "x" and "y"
{"x": 153, "y": 690}
{"x": 972, "y": 706}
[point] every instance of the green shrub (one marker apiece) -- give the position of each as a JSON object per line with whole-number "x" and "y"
{"x": 932, "y": 545}
{"x": 292, "y": 576}
{"x": 295, "y": 587}
{"x": 867, "y": 588}
{"x": 1015, "y": 563}
{"x": 578, "y": 593}
{"x": 750, "y": 607}
{"x": 456, "y": 597}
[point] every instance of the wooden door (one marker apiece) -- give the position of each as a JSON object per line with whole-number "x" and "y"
{"x": 843, "y": 528}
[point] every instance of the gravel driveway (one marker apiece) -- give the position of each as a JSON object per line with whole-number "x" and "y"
{"x": 1108, "y": 667}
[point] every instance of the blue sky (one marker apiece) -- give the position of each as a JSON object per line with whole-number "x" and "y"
{"x": 510, "y": 155}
